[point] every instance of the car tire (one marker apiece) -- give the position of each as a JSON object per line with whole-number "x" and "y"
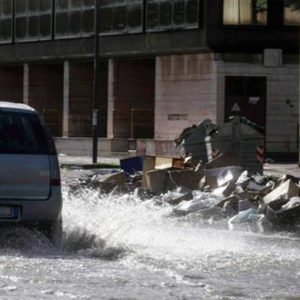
{"x": 53, "y": 231}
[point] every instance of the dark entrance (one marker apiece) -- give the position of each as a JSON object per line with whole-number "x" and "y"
{"x": 134, "y": 91}
{"x": 248, "y": 94}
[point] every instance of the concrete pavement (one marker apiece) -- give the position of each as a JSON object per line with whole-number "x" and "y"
{"x": 87, "y": 161}
{"x": 279, "y": 169}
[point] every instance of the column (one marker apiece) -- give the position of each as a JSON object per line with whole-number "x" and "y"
{"x": 110, "y": 104}
{"x": 26, "y": 84}
{"x": 66, "y": 94}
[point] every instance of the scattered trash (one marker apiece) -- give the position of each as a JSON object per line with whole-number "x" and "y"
{"x": 220, "y": 176}
{"x": 293, "y": 202}
{"x": 217, "y": 178}
{"x": 131, "y": 164}
{"x": 284, "y": 191}
{"x": 248, "y": 215}
{"x": 108, "y": 182}
{"x": 201, "y": 202}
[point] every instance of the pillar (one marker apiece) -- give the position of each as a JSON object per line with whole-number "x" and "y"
{"x": 111, "y": 98}
{"x": 26, "y": 84}
{"x": 66, "y": 96}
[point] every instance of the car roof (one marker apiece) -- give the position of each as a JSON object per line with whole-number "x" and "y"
{"x": 12, "y": 106}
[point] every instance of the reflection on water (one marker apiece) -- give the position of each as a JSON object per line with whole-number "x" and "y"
{"x": 195, "y": 251}
{"x": 129, "y": 248}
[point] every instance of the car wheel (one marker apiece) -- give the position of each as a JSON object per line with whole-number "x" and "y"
{"x": 53, "y": 231}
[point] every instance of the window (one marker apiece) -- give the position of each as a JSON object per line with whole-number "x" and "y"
{"x": 291, "y": 12}
{"x": 121, "y": 16}
{"x": 172, "y": 14}
{"x": 21, "y": 133}
{"x": 5, "y": 21}
{"x": 245, "y": 12}
{"x": 33, "y": 20}
{"x": 74, "y": 18}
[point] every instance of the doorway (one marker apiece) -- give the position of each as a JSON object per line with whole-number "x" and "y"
{"x": 247, "y": 95}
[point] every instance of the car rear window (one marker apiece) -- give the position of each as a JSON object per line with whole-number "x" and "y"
{"x": 21, "y": 133}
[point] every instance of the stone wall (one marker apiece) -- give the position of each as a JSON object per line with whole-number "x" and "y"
{"x": 185, "y": 93}
{"x": 282, "y": 112}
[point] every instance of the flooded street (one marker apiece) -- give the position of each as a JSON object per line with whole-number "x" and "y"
{"x": 120, "y": 247}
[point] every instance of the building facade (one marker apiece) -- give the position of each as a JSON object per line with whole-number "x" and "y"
{"x": 164, "y": 65}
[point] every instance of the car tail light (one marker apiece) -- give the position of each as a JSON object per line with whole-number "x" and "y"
{"x": 55, "y": 182}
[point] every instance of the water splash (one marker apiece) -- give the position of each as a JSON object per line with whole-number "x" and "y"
{"x": 149, "y": 230}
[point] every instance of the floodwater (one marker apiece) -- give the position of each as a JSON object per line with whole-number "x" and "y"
{"x": 120, "y": 247}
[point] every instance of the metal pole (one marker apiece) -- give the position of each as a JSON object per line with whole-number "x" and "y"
{"x": 96, "y": 83}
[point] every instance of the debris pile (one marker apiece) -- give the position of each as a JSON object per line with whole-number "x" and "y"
{"x": 213, "y": 185}
{"x": 238, "y": 195}
{"x": 225, "y": 191}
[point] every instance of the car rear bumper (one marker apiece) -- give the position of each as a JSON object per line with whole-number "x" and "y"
{"x": 31, "y": 211}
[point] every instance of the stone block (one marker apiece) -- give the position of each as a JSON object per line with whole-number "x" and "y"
{"x": 273, "y": 57}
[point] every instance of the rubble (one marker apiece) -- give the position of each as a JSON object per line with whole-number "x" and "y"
{"x": 284, "y": 191}
{"x": 208, "y": 185}
{"x": 109, "y": 182}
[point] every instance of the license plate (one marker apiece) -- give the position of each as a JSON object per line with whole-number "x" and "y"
{"x": 7, "y": 212}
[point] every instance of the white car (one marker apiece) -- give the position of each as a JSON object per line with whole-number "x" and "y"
{"x": 30, "y": 186}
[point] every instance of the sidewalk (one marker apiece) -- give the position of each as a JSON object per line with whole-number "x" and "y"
{"x": 274, "y": 169}
{"x": 87, "y": 161}
{"x": 279, "y": 169}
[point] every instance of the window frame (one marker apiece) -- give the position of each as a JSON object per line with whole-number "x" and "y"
{"x": 69, "y": 34}
{"x": 239, "y": 25}
{"x": 126, "y": 31}
{"x": 39, "y": 37}
{"x": 283, "y": 18}
{"x": 9, "y": 41}
{"x": 175, "y": 28}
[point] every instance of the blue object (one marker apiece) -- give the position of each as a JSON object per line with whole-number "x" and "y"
{"x": 132, "y": 164}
